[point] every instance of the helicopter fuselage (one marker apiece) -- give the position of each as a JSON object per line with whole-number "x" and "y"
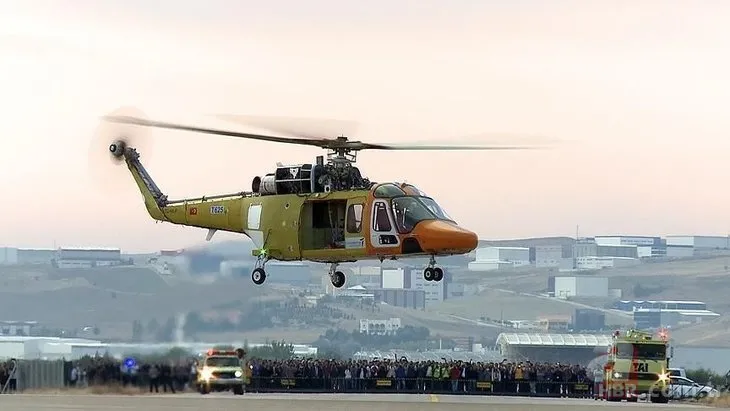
{"x": 385, "y": 221}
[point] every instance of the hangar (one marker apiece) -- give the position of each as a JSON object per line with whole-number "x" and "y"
{"x": 564, "y": 348}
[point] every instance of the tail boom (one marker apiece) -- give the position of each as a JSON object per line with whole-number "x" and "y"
{"x": 220, "y": 212}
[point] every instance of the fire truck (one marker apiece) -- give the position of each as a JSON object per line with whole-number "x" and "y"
{"x": 637, "y": 365}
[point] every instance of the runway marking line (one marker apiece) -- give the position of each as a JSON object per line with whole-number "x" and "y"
{"x": 433, "y": 398}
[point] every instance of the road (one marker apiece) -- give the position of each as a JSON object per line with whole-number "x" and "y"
{"x": 314, "y": 402}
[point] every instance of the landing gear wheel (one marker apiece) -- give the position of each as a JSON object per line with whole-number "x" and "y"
{"x": 338, "y": 279}
{"x": 429, "y": 274}
{"x": 258, "y": 276}
{"x": 438, "y": 274}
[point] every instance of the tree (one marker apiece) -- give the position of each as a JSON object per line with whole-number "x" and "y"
{"x": 137, "y": 330}
{"x": 152, "y": 326}
{"x": 277, "y": 350}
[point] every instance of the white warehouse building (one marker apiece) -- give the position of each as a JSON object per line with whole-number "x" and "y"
{"x": 494, "y": 258}
{"x": 581, "y": 286}
{"x": 699, "y": 241}
{"x": 88, "y": 257}
{"x": 8, "y": 256}
{"x": 646, "y": 246}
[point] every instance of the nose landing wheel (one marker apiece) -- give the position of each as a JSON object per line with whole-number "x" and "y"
{"x": 433, "y": 273}
{"x": 337, "y": 278}
{"x": 258, "y": 276}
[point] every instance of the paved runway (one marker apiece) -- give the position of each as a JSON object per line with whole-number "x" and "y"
{"x": 318, "y": 402}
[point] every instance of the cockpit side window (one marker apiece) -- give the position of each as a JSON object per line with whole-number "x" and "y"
{"x": 381, "y": 222}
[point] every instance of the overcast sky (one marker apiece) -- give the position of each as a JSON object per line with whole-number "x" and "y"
{"x": 640, "y": 88}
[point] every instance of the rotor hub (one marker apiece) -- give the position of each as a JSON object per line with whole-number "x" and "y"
{"x": 117, "y": 148}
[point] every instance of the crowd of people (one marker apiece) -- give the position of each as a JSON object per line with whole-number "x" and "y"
{"x": 321, "y": 375}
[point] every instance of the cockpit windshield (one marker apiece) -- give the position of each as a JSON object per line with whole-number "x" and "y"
{"x": 436, "y": 209}
{"x": 408, "y": 212}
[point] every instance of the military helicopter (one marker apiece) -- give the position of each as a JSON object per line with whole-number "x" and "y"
{"x": 324, "y": 212}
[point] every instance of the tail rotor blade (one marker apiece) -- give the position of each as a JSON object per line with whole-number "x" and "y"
{"x": 107, "y": 171}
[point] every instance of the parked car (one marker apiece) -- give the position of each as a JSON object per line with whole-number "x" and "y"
{"x": 683, "y": 388}
{"x": 677, "y": 372}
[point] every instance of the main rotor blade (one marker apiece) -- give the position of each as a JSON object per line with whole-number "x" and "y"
{"x": 445, "y": 148}
{"x": 205, "y": 130}
{"x": 303, "y": 127}
{"x": 486, "y": 141}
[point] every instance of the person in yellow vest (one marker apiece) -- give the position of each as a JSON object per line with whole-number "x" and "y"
{"x": 245, "y": 367}
{"x": 519, "y": 376}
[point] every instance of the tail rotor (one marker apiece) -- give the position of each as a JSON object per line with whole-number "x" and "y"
{"x": 108, "y": 147}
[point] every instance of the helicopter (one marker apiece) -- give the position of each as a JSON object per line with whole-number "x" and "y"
{"x": 324, "y": 212}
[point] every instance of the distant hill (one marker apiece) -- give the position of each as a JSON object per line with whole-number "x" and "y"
{"x": 528, "y": 242}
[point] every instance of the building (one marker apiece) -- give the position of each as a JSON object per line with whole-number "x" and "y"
{"x": 581, "y": 286}
{"x": 599, "y": 263}
{"x": 415, "y": 299}
{"x": 687, "y": 246}
{"x": 654, "y": 318}
{"x": 633, "y": 305}
{"x": 8, "y": 256}
{"x": 700, "y": 242}
{"x": 87, "y": 257}
{"x": 396, "y": 278}
{"x": 548, "y": 255}
{"x": 554, "y": 348}
{"x": 20, "y": 328}
{"x": 368, "y": 276}
{"x": 380, "y": 327}
{"x": 495, "y": 258}
{"x": 552, "y": 256}
{"x": 589, "y": 248}
{"x": 587, "y": 320}
{"x": 680, "y": 251}
{"x": 665, "y": 313}
{"x": 646, "y": 246}
{"x": 434, "y": 292}
{"x": 40, "y": 256}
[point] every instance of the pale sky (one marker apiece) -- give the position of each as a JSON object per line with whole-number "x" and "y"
{"x": 640, "y": 90}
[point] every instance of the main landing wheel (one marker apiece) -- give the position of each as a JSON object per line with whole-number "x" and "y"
{"x": 438, "y": 274}
{"x": 433, "y": 274}
{"x": 338, "y": 279}
{"x": 258, "y": 276}
{"x": 429, "y": 274}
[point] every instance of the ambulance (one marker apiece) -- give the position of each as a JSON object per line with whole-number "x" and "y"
{"x": 637, "y": 365}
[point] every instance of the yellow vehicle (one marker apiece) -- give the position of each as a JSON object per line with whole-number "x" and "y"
{"x": 220, "y": 371}
{"x": 637, "y": 365}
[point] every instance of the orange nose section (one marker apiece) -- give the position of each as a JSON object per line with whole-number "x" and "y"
{"x": 441, "y": 237}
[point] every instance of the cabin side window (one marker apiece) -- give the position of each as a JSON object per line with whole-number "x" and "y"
{"x": 354, "y": 218}
{"x": 254, "y": 217}
{"x": 381, "y": 222}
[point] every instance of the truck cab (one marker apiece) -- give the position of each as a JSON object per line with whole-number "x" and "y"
{"x": 637, "y": 365}
{"x": 220, "y": 370}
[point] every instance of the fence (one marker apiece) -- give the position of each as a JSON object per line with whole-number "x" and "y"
{"x": 37, "y": 374}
